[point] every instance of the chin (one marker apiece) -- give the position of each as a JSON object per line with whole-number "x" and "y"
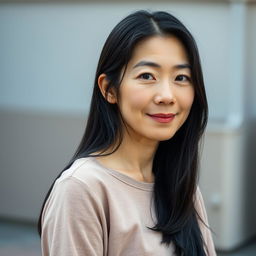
{"x": 164, "y": 137}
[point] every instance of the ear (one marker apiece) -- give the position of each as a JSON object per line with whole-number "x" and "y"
{"x": 109, "y": 96}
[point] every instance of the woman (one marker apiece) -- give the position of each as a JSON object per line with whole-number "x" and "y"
{"x": 131, "y": 188}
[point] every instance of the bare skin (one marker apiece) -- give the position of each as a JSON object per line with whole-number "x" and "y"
{"x": 157, "y": 80}
{"x": 133, "y": 158}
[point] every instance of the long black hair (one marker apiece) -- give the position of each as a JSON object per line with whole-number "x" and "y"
{"x": 175, "y": 164}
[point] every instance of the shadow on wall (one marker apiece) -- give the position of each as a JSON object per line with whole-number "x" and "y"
{"x": 35, "y": 148}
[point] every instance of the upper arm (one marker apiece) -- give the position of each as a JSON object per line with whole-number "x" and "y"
{"x": 203, "y": 223}
{"x": 72, "y": 221}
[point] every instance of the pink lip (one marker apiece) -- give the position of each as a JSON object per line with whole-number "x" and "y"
{"x": 162, "y": 118}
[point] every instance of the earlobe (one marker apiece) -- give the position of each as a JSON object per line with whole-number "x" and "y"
{"x": 103, "y": 85}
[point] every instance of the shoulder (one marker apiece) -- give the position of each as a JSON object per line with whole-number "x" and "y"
{"x": 201, "y": 211}
{"x": 203, "y": 222}
{"x": 199, "y": 205}
{"x": 74, "y": 214}
{"x": 77, "y": 188}
{"x": 198, "y": 196}
{"x": 83, "y": 181}
{"x": 85, "y": 171}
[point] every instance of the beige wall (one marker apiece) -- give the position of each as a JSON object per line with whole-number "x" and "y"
{"x": 35, "y": 147}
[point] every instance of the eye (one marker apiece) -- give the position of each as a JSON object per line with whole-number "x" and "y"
{"x": 182, "y": 78}
{"x": 146, "y": 76}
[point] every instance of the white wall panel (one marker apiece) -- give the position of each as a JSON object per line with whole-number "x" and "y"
{"x": 49, "y": 51}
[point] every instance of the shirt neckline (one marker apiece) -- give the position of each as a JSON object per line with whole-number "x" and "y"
{"x": 148, "y": 186}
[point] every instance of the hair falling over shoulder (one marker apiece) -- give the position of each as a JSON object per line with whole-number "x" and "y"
{"x": 175, "y": 163}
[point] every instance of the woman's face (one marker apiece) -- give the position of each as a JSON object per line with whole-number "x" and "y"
{"x": 156, "y": 92}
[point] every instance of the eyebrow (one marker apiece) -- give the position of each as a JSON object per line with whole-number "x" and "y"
{"x": 155, "y": 65}
{"x": 147, "y": 63}
{"x": 183, "y": 66}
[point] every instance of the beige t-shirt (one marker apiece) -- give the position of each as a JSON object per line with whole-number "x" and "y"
{"x": 95, "y": 211}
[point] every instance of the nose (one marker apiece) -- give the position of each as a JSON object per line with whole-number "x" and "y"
{"x": 165, "y": 94}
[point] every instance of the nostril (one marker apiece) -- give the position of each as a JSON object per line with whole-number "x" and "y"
{"x": 165, "y": 99}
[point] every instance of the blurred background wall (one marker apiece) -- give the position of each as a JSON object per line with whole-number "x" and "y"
{"x": 48, "y": 57}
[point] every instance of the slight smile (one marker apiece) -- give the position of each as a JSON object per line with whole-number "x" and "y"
{"x": 162, "y": 118}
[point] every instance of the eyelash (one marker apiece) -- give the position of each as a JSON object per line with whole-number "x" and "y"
{"x": 143, "y": 74}
{"x": 188, "y": 79}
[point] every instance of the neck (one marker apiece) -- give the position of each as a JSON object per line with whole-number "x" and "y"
{"x": 134, "y": 157}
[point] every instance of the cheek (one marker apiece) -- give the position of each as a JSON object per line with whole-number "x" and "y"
{"x": 186, "y": 101}
{"x": 187, "y": 98}
{"x": 134, "y": 99}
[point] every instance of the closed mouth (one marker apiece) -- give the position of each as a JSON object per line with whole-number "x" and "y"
{"x": 162, "y": 118}
{"x": 161, "y": 115}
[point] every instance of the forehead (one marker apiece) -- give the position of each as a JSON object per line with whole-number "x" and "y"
{"x": 166, "y": 49}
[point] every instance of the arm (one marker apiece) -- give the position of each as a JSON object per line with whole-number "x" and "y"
{"x": 206, "y": 232}
{"x": 72, "y": 221}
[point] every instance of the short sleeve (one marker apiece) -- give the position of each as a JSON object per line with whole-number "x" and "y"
{"x": 206, "y": 232}
{"x": 72, "y": 221}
